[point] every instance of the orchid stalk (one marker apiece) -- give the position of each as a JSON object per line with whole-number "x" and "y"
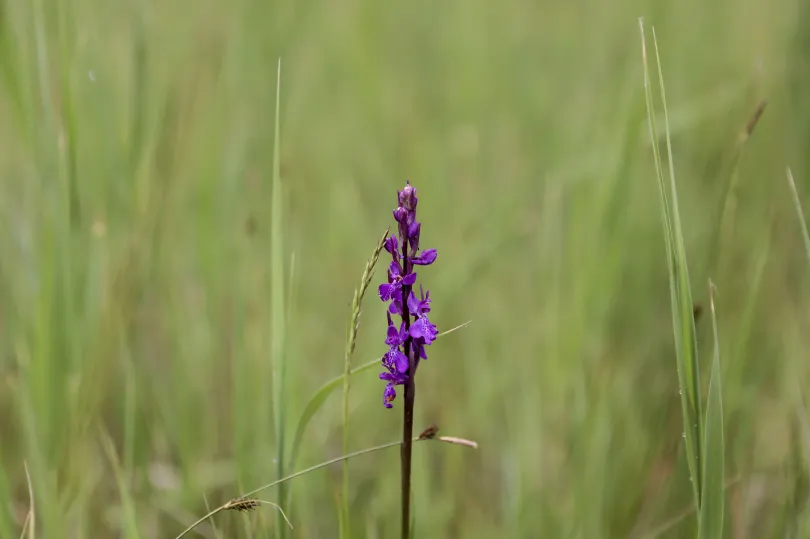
{"x": 406, "y": 343}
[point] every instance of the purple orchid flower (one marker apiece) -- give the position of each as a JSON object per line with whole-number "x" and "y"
{"x": 406, "y": 343}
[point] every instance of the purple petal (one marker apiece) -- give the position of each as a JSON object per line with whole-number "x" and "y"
{"x": 413, "y": 230}
{"x": 400, "y": 214}
{"x": 423, "y": 329}
{"x": 396, "y": 359}
{"x": 392, "y": 339}
{"x": 424, "y": 304}
{"x": 427, "y": 257}
{"x": 391, "y": 245}
{"x": 413, "y": 304}
{"x": 418, "y": 307}
{"x": 395, "y": 378}
{"x": 389, "y": 395}
{"x": 421, "y": 349}
{"x": 395, "y": 307}
{"x": 403, "y": 333}
{"x": 409, "y": 279}
{"x": 388, "y": 291}
{"x": 394, "y": 271}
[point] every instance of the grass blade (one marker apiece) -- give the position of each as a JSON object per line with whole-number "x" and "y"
{"x": 445, "y": 439}
{"x": 31, "y": 517}
{"x": 129, "y": 526}
{"x": 316, "y": 401}
{"x": 680, "y": 293}
{"x": 710, "y": 523}
{"x": 800, "y": 213}
{"x": 277, "y": 304}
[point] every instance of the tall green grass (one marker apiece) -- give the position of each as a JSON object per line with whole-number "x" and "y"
{"x": 148, "y": 300}
{"x": 278, "y": 320}
{"x": 703, "y": 434}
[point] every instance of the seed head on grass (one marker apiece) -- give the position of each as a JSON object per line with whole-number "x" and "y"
{"x": 359, "y": 293}
{"x": 243, "y": 504}
{"x": 351, "y": 341}
{"x": 246, "y": 504}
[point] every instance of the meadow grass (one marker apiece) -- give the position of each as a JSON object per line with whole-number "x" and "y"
{"x": 703, "y": 434}
{"x": 156, "y": 184}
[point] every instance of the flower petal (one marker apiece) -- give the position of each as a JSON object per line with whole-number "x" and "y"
{"x": 392, "y": 339}
{"x": 389, "y": 394}
{"x": 427, "y": 257}
{"x": 388, "y": 291}
{"x": 391, "y": 245}
{"x": 418, "y": 307}
{"x": 420, "y": 348}
{"x": 395, "y": 307}
{"x": 413, "y": 304}
{"x": 423, "y": 329}
{"x": 400, "y": 214}
{"x": 403, "y": 333}
{"x": 409, "y": 279}
{"x": 414, "y": 229}
{"x": 395, "y": 359}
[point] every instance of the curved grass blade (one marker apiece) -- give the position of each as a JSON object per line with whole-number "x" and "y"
{"x": 315, "y": 403}
{"x": 319, "y": 397}
{"x": 249, "y": 495}
{"x": 680, "y": 293}
{"x": 710, "y": 520}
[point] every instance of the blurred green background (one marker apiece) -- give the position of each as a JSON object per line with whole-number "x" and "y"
{"x": 135, "y": 260}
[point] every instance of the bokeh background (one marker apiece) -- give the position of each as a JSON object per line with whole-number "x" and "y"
{"x": 136, "y": 280}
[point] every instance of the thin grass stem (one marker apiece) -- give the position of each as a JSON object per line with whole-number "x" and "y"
{"x": 445, "y": 439}
{"x": 278, "y": 313}
{"x": 799, "y": 212}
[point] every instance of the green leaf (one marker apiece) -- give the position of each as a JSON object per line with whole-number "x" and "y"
{"x": 316, "y": 401}
{"x": 683, "y": 322}
{"x": 711, "y": 509}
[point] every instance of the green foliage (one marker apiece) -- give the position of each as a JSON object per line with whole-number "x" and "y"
{"x": 351, "y": 343}
{"x": 144, "y": 255}
{"x": 703, "y": 435}
{"x": 278, "y": 314}
{"x": 683, "y": 321}
{"x": 710, "y": 519}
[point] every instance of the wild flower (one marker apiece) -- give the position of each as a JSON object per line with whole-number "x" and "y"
{"x": 407, "y": 342}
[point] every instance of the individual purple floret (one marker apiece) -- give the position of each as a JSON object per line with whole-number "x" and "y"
{"x": 393, "y": 289}
{"x": 407, "y": 342}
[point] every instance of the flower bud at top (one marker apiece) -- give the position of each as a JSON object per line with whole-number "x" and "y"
{"x": 400, "y": 214}
{"x": 407, "y": 197}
